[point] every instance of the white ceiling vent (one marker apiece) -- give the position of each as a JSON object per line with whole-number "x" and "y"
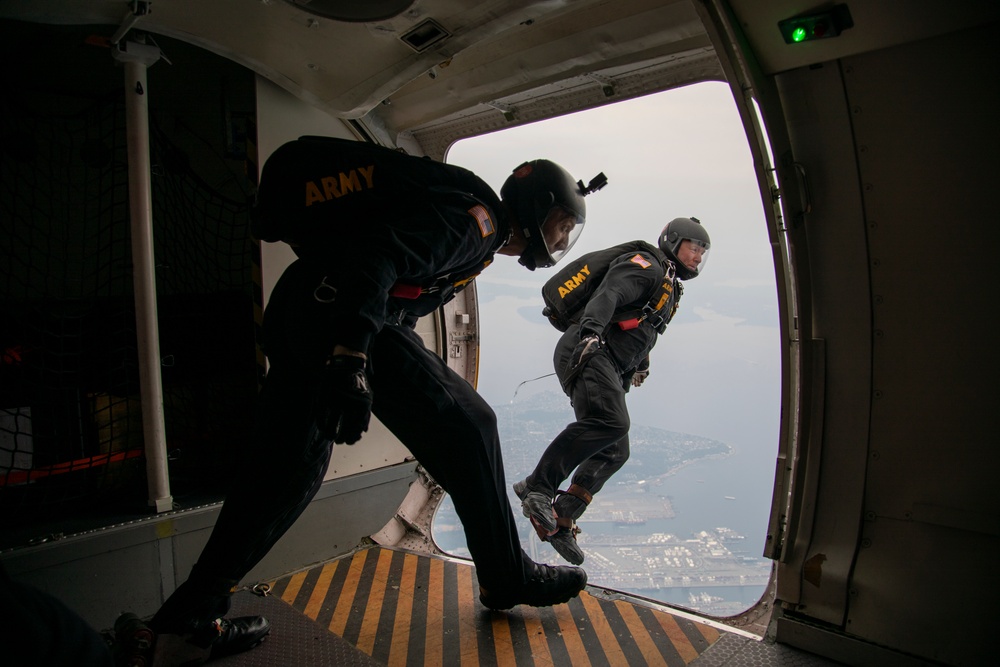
{"x": 424, "y": 35}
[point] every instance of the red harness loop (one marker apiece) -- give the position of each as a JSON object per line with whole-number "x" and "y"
{"x": 403, "y": 291}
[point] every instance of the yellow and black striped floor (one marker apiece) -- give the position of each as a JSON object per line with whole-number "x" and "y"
{"x": 386, "y": 607}
{"x": 401, "y": 608}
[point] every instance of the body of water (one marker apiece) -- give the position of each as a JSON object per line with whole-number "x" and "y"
{"x": 734, "y": 492}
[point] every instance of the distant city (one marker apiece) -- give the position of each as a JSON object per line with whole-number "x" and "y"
{"x": 633, "y": 539}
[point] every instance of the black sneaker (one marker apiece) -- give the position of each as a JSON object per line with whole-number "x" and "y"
{"x": 564, "y": 541}
{"x": 547, "y": 585}
{"x": 537, "y": 507}
{"x": 222, "y": 637}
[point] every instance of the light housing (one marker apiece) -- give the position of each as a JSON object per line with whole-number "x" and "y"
{"x": 817, "y": 25}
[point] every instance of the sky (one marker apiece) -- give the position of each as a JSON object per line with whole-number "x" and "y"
{"x": 715, "y": 372}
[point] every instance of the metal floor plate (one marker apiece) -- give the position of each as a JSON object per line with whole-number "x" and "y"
{"x": 295, "y": 640}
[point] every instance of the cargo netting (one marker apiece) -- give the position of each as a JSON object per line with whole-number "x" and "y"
{"x": 71, "y": 433}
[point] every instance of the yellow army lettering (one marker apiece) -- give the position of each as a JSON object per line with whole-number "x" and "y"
{"x": 342, "y": 184}
{"x": 574, "y": 282}
{"x": 667, "y": 289}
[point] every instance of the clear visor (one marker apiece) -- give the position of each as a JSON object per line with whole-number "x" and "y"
{"x": 560, "y": 230}
{"x": 693, "y": 254}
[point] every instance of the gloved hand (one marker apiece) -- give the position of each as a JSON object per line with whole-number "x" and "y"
{"x": 639, "y": 378}
{"x": 588, "y": 345}
{"x": 343, "y": 400}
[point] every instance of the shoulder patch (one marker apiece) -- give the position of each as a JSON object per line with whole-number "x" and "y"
{"x": 482, "y": 217}
{"x": 641, "y": 261}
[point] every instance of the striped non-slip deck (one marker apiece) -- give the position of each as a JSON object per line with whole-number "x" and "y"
{"x": 402, "y": 608}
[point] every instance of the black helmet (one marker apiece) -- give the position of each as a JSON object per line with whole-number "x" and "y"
{"x": 549, "y": 209}
{"x": 678, "y": 230}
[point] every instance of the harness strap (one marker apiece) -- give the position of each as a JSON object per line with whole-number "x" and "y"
{"x": 444, "y": 285}
{"x": 403, "y": 291}
{"x": 578, "y": 491}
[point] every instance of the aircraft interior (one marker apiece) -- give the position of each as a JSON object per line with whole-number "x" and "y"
{"x": 132, "y": 294}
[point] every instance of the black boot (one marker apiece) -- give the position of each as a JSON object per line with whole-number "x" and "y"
{"x": 221, "y": 637}
{"x": 545, "y": 585}
{"x": 190, "y": 626}
{"x": 537, "y": 508}
{"x": 564, "y": 542}
{"x": 239, "y": 634}
{"x": 570, "y": 506}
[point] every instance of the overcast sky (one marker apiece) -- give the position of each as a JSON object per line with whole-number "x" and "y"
{"x": 716, "y": 370}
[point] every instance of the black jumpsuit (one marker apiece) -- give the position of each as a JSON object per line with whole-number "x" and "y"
{"x": 341, "y": 291}
{"x": 597, "y": 444}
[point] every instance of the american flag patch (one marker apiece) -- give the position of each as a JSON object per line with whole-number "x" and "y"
{"x": 482, "y": 217}
{"x": 641, "y": 261}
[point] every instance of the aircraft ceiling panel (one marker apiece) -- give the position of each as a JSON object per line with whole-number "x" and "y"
{"x": 583, "y": 45}
{"x": 492, "y": 50}
{"x": 562, "y": 97}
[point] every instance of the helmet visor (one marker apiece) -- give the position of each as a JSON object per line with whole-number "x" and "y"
{"x": 560, "y": 230}
{"x": 693, "y": 254}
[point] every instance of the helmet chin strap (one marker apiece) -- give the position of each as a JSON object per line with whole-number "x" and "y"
{"x": 527, "y": 259}
{"x": 510, "y": 237}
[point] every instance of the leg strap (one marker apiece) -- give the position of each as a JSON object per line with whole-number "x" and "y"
{"x": 579, "y": 492}
{"x": 566, "y": 522}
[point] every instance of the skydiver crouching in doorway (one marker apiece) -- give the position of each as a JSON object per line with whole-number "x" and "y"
{"x": 382, "y": 238}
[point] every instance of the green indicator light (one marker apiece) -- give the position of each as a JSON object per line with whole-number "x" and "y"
{"x": 819, "y": 25}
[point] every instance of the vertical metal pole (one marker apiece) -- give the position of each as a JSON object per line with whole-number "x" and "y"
{"x": 144, "y": 280}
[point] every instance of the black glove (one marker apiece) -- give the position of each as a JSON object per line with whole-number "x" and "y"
{"x": 344, "y": 400}
{"x": 588, "y": 345}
